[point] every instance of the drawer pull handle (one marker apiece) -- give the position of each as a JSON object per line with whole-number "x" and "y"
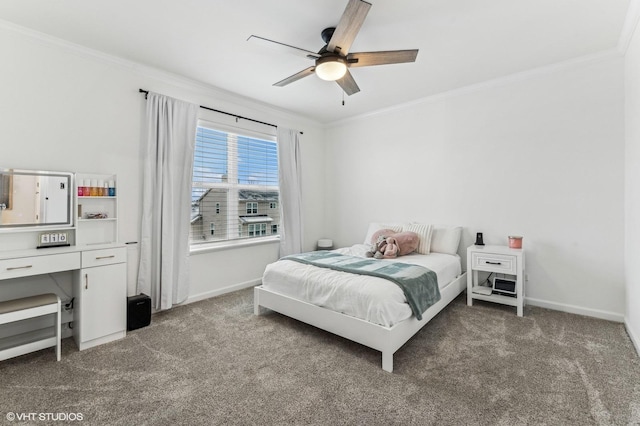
{"x": 20, "y": 267}
{"x": 86, "y": 281}
{"x": 105, "y": 257}
{"x": 493, "y": 263}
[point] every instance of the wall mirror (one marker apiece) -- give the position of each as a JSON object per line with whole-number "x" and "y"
{"x": 30, "y": 198}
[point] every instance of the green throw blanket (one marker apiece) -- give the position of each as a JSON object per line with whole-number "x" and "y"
{"x": 419, "y": 284}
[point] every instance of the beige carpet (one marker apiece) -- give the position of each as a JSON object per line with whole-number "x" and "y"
{"x": 214, "y": 362}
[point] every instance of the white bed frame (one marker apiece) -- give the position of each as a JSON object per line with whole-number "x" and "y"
{"x": 385, "y": 339}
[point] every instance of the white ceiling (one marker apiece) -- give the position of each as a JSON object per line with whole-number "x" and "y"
{"x": 461, "y": 42}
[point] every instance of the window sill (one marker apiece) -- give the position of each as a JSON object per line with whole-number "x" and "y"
{"x": 226, "y": 245}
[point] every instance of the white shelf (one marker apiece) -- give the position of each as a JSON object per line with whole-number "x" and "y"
{"x": 97, "y": 231}
{"x": 29, "y": 337}
{"x": 496, "y": 298}
{"x": 107, "y": 197}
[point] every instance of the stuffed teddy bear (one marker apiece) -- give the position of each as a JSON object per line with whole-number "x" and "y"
{"x": 389, "y": 250}
{"x": 387, "y": 244}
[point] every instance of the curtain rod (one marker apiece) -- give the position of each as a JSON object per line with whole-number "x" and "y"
{"x": 146, "y": 92}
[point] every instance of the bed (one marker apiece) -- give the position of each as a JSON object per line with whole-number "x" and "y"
{"x": 368, "y": 310}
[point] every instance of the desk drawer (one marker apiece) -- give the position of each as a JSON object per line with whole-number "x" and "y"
{"x": 36, "y": 265}
{"x": 109, "y": 256}
{"x": 491, "y": 262}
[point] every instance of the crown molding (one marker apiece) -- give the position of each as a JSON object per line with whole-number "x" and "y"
{"x": 180, "y": 81}
{"x": 630, "y": 25}
{"x": 489, "y": 84}
{"x": 201, "y": 88}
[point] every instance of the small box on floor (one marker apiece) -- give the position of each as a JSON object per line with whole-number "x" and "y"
{"x": 138, "y": 311}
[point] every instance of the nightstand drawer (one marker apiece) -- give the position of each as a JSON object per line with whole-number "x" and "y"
{"x": 490, "y": 262}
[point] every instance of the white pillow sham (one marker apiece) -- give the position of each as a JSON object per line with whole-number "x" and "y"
{"x": 446, "y": 239}
{"x": 376, "y": 226}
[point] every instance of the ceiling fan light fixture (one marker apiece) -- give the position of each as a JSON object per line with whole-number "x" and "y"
{"x": 331, "y": 68}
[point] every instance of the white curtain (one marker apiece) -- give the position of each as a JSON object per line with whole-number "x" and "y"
{"x": 290, "y": 191}
{"x": 168, "y": 142}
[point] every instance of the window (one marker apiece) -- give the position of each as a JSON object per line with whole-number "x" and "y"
{"x": 273, "y": 205}
{"x": 234, "y": 185}
{"x": 274, "y": 229}
{"x": 257, "y": 229}
{"x": 252, "y": 208}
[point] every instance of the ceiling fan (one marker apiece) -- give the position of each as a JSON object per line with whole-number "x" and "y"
{"x": 333, "y": 61}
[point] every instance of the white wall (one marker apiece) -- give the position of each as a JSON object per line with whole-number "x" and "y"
{"x": 539, "y": 155}
{"x": 71, "y": 109}
{"x": 632, "y": 189}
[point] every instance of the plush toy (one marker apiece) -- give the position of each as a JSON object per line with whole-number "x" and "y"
{"x": 379, "y": 242}
{"x": 407, "y": 242}
{"x": 387, "y": 244}
{"x": 388, "y": 250}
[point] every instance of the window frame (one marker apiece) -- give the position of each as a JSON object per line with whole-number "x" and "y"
{"x": 259, "y": 228}
{"x": 236, "y": 235}
{"x": 252, "y": 207}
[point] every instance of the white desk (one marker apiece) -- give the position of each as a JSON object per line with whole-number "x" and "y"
{"x": 99, "y": 285}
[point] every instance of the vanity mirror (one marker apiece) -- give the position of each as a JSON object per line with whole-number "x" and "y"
{"x": 35, "y": 199}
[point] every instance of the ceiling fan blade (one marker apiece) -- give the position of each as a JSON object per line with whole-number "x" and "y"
{"x": 295, "y": 77}
{"x": 348, "y": 27}
{"x": 348, "y": 84}
{"x": 261, "y": 41}
{"x": 365, "y": 59}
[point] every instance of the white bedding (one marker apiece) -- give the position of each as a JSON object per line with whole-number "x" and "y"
{"x": 369, "y": 298}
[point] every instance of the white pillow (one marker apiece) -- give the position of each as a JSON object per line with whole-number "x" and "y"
{"x": 445, "y": 239}
{"x": 376, "y": 226}
{"x": 424, "y": 232}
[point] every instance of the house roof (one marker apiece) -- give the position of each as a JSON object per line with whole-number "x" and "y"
{"x": 249, "y": 195}
{"x": 210, "y": 190}
{"x": 246, "y": 194}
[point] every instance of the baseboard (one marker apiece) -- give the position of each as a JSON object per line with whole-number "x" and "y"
{"x": 572, "y": 309}
{"x": 219, "y": 291}
{"x": 634, "y": 337}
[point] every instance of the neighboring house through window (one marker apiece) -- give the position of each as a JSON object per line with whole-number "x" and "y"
{"x": 234, "y": 186}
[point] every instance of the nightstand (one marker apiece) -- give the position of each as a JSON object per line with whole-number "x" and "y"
{"x": 503, "y": 262}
